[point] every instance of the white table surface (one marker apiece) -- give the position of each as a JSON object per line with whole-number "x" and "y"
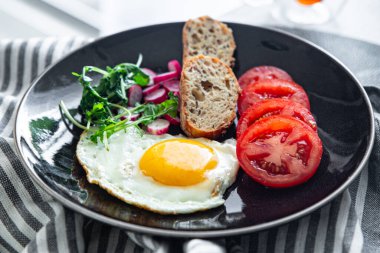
{"x": 358, "y": 18}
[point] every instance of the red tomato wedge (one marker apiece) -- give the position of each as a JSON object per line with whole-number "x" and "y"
{"x": 274, "y": 88}
{"x": 260, "y": 73}
{"x": 279, "y": 151}
{"x": 275, "y": 106}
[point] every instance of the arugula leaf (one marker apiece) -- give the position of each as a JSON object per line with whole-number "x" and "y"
{"x": 152, "y": 111}
{"x": 141, "y": 78}
{"x": 149, "y": 112}
{"x": 96, "y": 100}
{"x": 95, "y": 108}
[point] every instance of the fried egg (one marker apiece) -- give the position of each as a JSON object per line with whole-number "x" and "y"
{"x": 163, "y": 173}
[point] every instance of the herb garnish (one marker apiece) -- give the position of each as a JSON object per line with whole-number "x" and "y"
{"x": 104, "y": 106}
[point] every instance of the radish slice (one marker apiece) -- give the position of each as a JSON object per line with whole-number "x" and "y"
{"x": 158, "y": 127}
{"x": 150, "y": 73}
{"x": 172, "y": 85}
{"x": 132, "y": 118}
{"x": 157, "y": 96}
{"x": 134, "y": 95}
{"x": 164, "y": 77}
{"x": 173, "y": 121}
{"x": 174, "y": 65}
{"x": 150, "y": 89}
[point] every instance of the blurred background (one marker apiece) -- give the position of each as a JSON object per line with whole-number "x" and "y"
{"x": 93, "y": 18}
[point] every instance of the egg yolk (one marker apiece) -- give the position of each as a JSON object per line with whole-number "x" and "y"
{"x": 178, "y": 162}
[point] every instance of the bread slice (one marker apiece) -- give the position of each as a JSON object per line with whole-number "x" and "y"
{"x": 209, "y": 92}
{"x": 207, "y": 36}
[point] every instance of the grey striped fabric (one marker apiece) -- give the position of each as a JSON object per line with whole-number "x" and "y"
{"x": 31, "y": 221}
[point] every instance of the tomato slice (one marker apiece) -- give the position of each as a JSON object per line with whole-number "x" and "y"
{"x": 260, "y": 73}
{"x": 279, "y": 151}
{"x": 275, "y": 106}
{"x": 274, "y": 88}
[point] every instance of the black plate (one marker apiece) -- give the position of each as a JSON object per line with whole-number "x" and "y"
{"x": 338, "y": 102}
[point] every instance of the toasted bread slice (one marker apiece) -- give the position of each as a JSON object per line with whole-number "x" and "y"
{"x": 209, "y": 92}
{"x": 210, "y": 37}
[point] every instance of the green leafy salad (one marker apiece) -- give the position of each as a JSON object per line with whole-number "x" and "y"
{"x": 106, "y": 106}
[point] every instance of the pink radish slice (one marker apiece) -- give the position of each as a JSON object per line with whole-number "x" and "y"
{"x": 150, "y": 89}
{"x": 150, "y": 73}
{"x": 171, "y": 85}
{"x": 157, "y": 96}
{"x": 174, "y": 65}
{"x": 132, "y": 118}
{"x": 164, "y": 77}
{"x": 158, "y": 127}
{"x": 134, "y": 95}
{"x": 173, "y": 121}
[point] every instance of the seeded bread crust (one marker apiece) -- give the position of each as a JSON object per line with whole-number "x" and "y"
{"x": 207, "y": 36}
{"x": 209, "y": 92}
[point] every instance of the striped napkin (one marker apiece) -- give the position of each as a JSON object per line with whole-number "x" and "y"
{"x": 32, "y": 221}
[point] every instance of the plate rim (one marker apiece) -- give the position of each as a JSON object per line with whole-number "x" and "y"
{"x": 197, "y": 233}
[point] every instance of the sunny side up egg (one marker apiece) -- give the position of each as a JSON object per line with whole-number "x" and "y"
{"x": 162, "y": 173}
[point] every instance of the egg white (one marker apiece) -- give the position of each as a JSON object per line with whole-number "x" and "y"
{"x": 117, "y": 171}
